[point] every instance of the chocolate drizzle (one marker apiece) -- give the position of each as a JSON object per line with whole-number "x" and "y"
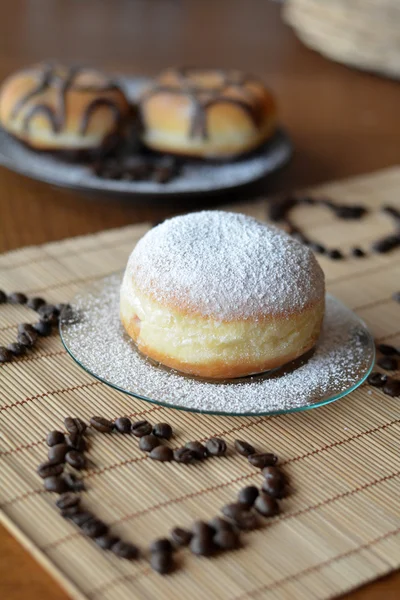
{"x": 52, "y": 76}
{"x": 203, "y": 98}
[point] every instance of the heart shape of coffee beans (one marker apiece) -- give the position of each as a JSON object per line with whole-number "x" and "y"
{"x": 279, "y": 212}
{"x": 67, "y": 454}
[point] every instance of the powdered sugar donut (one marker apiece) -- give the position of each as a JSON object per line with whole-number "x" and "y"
{"x": 222, "y": 295}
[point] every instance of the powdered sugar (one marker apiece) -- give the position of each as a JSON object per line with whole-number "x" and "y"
{"x": 226, "y": 266}
{"x": 343, "y": 358}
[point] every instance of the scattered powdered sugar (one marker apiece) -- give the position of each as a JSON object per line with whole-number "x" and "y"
{"x": 343, "y": 358}
{"x": 226, "y": 266}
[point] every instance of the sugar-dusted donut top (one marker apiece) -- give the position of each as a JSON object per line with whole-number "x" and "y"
{"x": 226, "y": 266}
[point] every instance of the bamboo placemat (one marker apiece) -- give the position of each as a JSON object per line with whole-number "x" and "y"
{"x": 339, "y": 529}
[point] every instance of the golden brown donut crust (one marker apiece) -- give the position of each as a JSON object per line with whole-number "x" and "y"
{"x": 52, "y": 107}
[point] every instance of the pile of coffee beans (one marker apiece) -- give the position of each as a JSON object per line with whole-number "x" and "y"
{"x": 139, "y": 168}
{"x": 66, "y": 450}
{"x": 388, "y": 361}
{"x": 29, "y": 334}
{"x": 279, "y": 211}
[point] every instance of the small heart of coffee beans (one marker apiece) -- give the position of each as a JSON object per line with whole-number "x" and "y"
{"x": 185, "y": 455}
{"x": 162, "y": 562}
{"x": 198, "y": 448}
{"x": 16, "y": 349}
{"x": 35, "y": 303}
{"x": 377, "y": 379}
{"x": 141, "y": 428}
{"x": 226, "y": 539}
{"x": 76, "y": 459}
{"x": 123, "y": 425}
{"x": 266, "y": 506}
{"x": 101, "y": 424}
{"x": 248, "y": 495}
{"x": 55, "y": 437}
{"x": 5, "y": 355}
{"x": 162, "y": 453}
{"x": 161, "y": 545}
{"x": 74, "y": 483}
{"x": 202, "y": 546}
{"x": 216, "y": 447}
{"x": 125, "y": 550}
{"x": 94, "y": 528}
{"x": 181, "y": 536}
{"x": 75, "y": 425}
{"x": 57, "y": 453}
{"x": 55, "y": 484}
{"x": 76, "y": 441}
{"x": 17, "y": 298}
{"x": 244, "y": 448}
{"x": 49, "y": 469}
{"x": 388, "y": 363}
{"x": 43, "y": 328}
{"x": 67, "y": 500}
{"x": 262, "y": 460}
{"x": 163, "y": 430}
{"x": 148, "y": 442}
{"x": 387, "y": 350}
{"x": 242, "y": 517}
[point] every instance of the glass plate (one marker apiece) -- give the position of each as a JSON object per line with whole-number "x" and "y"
{"x": 96, "y": 340}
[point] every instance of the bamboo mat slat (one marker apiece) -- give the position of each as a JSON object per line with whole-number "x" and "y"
{"x": 339, "y": 529}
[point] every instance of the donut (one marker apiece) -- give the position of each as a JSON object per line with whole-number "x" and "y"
{"x": 206, "y": 113}
{"x": 52, "y": 107}
{"x": 221, "y": 295}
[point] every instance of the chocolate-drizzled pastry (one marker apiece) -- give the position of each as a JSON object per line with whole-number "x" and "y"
{"x": 206, "y": 113}
{"x": 53, "y": 107}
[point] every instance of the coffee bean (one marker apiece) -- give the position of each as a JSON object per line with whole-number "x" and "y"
{"x": 94, "y": 528}
{"x": 148, "y": 442}
{"x": 202, "y": 529}
{"x": 28, "y": 330}
{"x": 185, "y": 455}
{"x": 162, "y": 562}
{"x": 43, "y": 328}
{"x": 357, "y": 252}
{"x": 49, "y": 313}
{"x": 198, "y": 448}
{"x": 392, "y": 388}
{"x": 161, "y": 545}
{"x": 16, "y": 349}
{"x": 75, "y": 425}
{"x": 226, "y": 540}
{"x": 49, "y": 469}
{"x": 5, "y": 355}
{"x": 244, "y": 448}
{"x": 141, "y": 428}
{"x": 76, "y": 459}
{"x": 216, "y": 447}
{"x": 274, "y": 488}
{"x": 101, "y": 424}
{"x": 17, "y": 298}
{"x": 105, "y": 542}
{"x": 388, "y": 363}
{"x": 335, "y": 254}
{"x": 377, "y": 379}
{"x": 55, "y": 437}
{"x": 262, "y": 460}
{"x": 123, "y": 425}
{"x": 273, "y": 473}
{"x": 57, "y": 453}
{"x": 55, "y": 484}
{"x": 35, "y": 303}
{"x": 202, "y": 546}
{"x": 162, "y": 453}
{"x": 81, "y": 517}
{"x": 180, "y": 536}
{"x": 74, "y": 483}
{"x": 266, "y": 505}
{"x": 25, "y": 340}
{"x": 247, "y": 495}
{"x": 386, "y": 244}
{"x": 125, "y": 550}
{"x": 3, "y": 297}
{"x": 234, "y": 510}
{"x": 387, "y": 350}
{"x": 218, "y": 523}
{"x": 163, "y": 430}
{"x": 67, "y": 500}
{"x": 396, "y": 296}
{"x": 240, "y": 515}
{"x": 69, "y": 512}
{"x": 76, "y": 441}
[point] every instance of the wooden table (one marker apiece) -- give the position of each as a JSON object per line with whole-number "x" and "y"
{"x": 342, "y": 123}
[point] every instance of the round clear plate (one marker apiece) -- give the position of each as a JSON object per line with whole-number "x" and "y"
{"x": 96, "y": 340}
